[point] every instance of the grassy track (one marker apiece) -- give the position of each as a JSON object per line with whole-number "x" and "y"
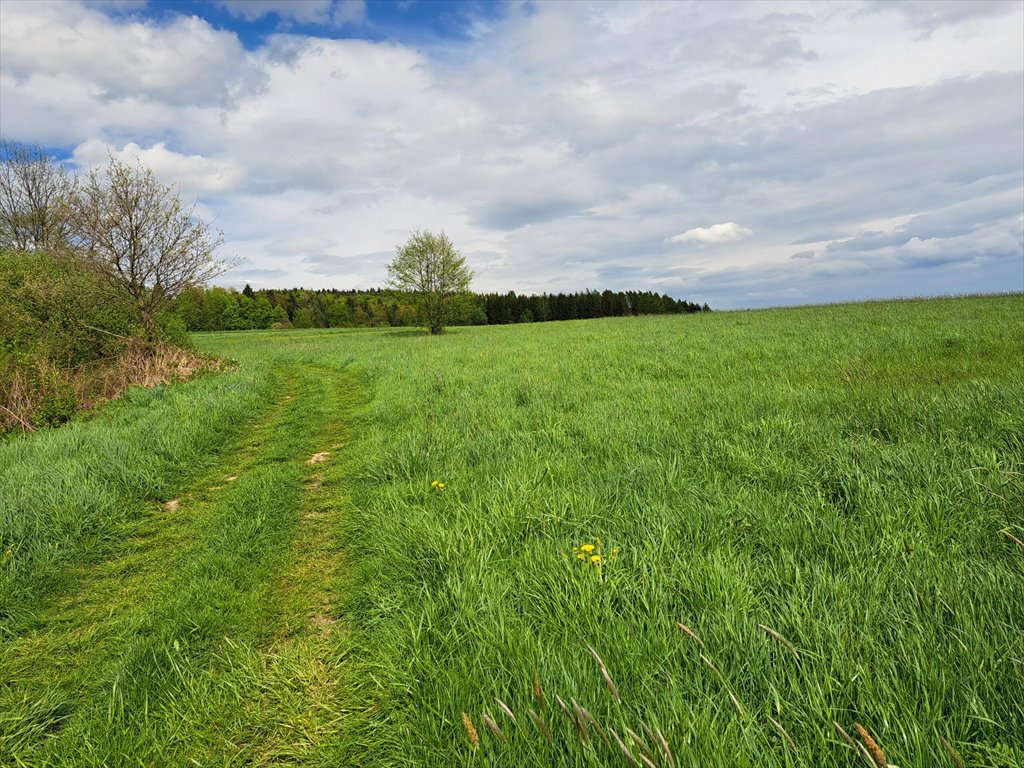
{"x": 191, "y": 641}
{"x": 824, "y": 497}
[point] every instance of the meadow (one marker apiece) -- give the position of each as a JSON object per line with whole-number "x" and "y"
{"x": 786, "y": 537}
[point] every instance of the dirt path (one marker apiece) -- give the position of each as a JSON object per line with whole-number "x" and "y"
{"x": 209, "y": 638}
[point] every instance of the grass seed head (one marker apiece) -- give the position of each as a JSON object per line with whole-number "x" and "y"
{"x": 506, "y": 709}
{"x": 493, "y": 726}
{"x": 953, "y": 756}
{"x": 606, "y": 675}
{"x": 625, "y": 750}
{"x": 541, "y": 725}
{"x": 781, "y": 639}
{"x": 538, "y": 694}
{"x": 471, "y": 733}
{"x": 689, "y": 633}
{"x": 872, "y": 745}
{"x": 781, "y": 730}
{"x": 640, "y": 743}
{"x": 663, "y": 743}
{"x": 593, "y": 723}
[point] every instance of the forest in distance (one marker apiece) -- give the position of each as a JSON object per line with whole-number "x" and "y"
{"x": 222, "y": 309}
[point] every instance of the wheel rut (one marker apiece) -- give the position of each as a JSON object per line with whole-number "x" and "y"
{"x": 209, "y": 637}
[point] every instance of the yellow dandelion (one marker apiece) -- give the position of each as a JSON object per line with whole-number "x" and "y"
{"x": 587, "y": 547}
{"x": 440, "y": 486}
{"x": 581, "y": 556}
{"x": 595, "y": 559}
{"x": 434, "y": 484}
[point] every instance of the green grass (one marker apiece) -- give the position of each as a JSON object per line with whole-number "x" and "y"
{"x": 842, "y": 476}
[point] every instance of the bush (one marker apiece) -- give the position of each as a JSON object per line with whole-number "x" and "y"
{"x": 58, "y": 403}
{"x": 66, "y": 344}
{"x": 172, "y": 330}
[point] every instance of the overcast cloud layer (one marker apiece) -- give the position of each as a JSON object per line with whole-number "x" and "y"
{"x": 743, "y": 154}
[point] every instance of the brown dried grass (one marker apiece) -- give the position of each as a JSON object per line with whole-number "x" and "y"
{"x": 138, "y": 364}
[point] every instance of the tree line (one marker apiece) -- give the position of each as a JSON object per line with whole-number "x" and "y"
{"x": 221, "y": 309}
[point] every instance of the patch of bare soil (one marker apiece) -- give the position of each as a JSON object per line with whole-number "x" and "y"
{"x": 319, "y": 458}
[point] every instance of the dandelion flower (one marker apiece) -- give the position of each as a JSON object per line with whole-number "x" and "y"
{"x": 587, "y": 547}
{"x": 595, "y": 559}
{"x": 434, "y": 484}
{"x": 581, "y": 556}
{"x": 440, "y": 486}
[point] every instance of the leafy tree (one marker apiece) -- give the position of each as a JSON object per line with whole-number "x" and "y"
{"x": 146, "y": 245}
{"x": 430, "y": 267}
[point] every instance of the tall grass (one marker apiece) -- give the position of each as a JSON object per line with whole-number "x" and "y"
{"x": 806, "y": 518}
{"x": 66, "y": 495}
{"x": 839, "y": 475}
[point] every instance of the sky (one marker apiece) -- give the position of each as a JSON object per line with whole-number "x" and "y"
{"x": 743, "y": 154}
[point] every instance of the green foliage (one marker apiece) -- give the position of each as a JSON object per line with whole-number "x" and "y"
{"x": 430, "y": 268}
{"x": 58, "y": 403}
{"x": 51, "y": 306}
{"x": 171, "y": 328}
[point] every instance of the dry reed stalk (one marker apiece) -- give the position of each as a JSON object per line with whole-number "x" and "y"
{"x": 565, "y": 707}
{"x": 957, "y": 762}
{"x": 541, "y": 725}
{"x": 846, "y": 737}
{"x": 780, "y": 729}
{"x": 21, "y": 422}
{"x": 625, "y": 750}
{"x": 644, "y": 749}
{"x": 856, "y": 746}
{"x": 580, "y": 721}
{"x": 605, "y": 674}
{"x": 1014, "y": 539}
{"x": 593, "y": 723}
{"x": 663, "y": 743}
{"x": 538, "y": 694}
{"x": 505, "y": 708}
{"x": 781, "y": 639}
{"x": 471, "y": 733}
{"x": 725, "y": 684}
{"x": 689, "y": 633}
{"x": 872, "y": 745}
{"x": 648, "y": 732}
{"x": 493, "y": 726}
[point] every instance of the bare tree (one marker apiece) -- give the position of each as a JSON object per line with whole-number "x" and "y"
{"x": 34, "y": 188}
{"x": 144, "y": 242}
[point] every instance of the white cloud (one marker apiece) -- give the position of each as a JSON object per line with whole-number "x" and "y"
{"x": 558, "y": 142}
{"x": 183, "y": 61}
{"x": 729, "y": 232}
{"x": 195, "y": 175}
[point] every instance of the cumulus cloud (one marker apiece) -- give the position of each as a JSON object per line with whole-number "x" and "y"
{"x": 180, "y": 61}
{"x": 729, "y": 232}
{"x": 194, "y": 174}
{"x": 558, "y": 143}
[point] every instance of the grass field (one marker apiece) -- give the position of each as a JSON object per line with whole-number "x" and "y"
{"x": 804, "y": 517}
